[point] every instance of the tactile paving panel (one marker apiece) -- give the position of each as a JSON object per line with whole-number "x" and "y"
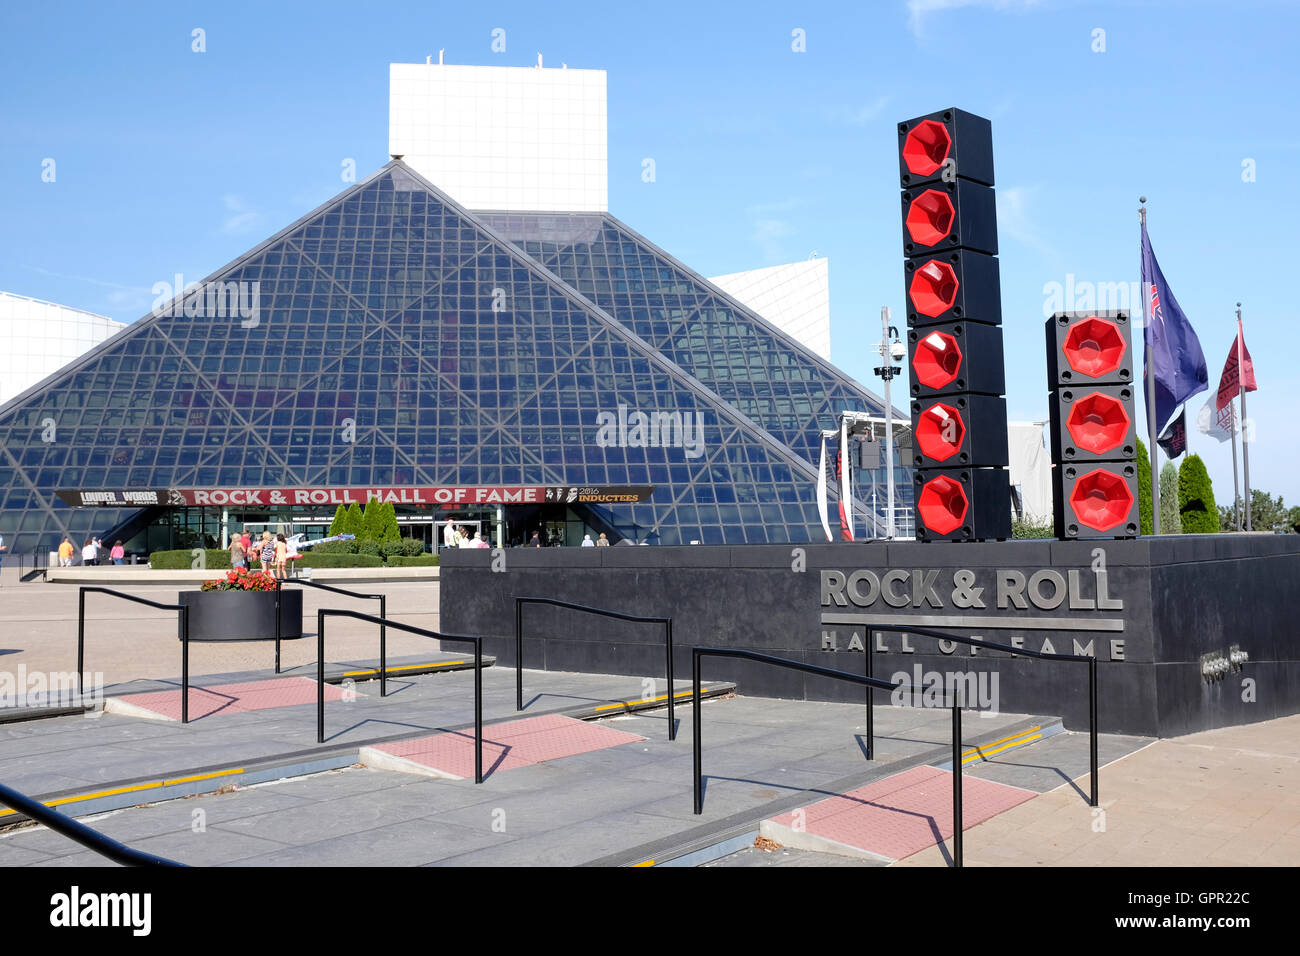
{"x": 516, "y": 743}
{"x": 903, "y": 814}
{"x": 230, "y": 698}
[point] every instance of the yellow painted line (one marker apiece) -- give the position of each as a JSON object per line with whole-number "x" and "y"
{"x": 645, "y": 863}
{"x": 404, "y": 667}
{"x": 984, "y": 753}
{"x": 137, "y": 788}
{"x": 203, "y": 776}
{"x": 1000, "y": 740}
{"x": 647, "y": 700}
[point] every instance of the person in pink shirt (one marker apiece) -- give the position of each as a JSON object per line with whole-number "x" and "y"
{"x": 118, "y": 553}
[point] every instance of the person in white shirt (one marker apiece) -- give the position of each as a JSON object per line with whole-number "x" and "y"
{"x": 88, "y": 552}
{"x": 587, "y": 542}
{"x": 449, "y": 539}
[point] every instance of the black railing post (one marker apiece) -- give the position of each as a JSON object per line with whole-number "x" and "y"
{"x": 672, "y": 713}
{"x": 695, "y": 730}
{"x": 478, "y": 710}
{"x": 185, "y": 663}
{"x": 871, "y": 713}
{"x": 278, "y": 588}
{"x": 1092, "y": 726}
{"x": 956, "y": 780}
{"x": 81, "y": 641}
{"x": 320, "y": 676}
{"x": 519, "y": 654}
{"x": 383, "y": 647}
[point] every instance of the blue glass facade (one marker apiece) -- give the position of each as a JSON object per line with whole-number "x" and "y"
{"x": 394, "y": 340}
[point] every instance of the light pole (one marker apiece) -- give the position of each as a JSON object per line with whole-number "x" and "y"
{"x": 891, "y": 352}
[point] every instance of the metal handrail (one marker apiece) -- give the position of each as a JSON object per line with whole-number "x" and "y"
{"x": 185, "y": 639}
{"x": 1014, "y": 651}
{"x": 86, "y": 836}
{"x": 322, "y": 613}
{"x": 383, "y": 631}
{"x": 519, "y": 645}
{"x": 871, "y": 683}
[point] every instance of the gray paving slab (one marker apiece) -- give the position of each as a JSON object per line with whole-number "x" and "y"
{"x": 752, "y": 857}
{"x": 1049, "y": 763}
{"x": 62, "y": 753}
{"x": 408, "y": 843}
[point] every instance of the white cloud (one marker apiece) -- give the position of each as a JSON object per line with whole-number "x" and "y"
{"x": 242, "y": 217}
{"x": 1014, "y": 218}
{"x": 918, "y": 10}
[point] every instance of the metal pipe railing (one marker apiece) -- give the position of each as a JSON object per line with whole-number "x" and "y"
{"x": 603, "y": 612}
{"x": 324, "y": 612}
{"x": 871, "y": 683}
{"x": 185, "y": 639}
{"x": 87, "y": 837}
{"x": 1015, "y": 652}
{"x": 383, "y": 629}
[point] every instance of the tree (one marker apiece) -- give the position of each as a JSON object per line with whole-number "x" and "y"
{"x": 354, "y": 523}
{"x": 1144, "y": 488}
{"x": 1171, "y": 521}
{"x": 1266, "y": 514}
{"x": 339, "y": 524}
{"x": 1196, "y": 498}
{"x": 372, "y": 526}
{"x": 390, "y": 530}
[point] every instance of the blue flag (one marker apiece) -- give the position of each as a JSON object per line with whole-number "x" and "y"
{"x": 1174, "y": 354}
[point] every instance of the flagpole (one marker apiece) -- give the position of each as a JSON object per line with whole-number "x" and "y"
{"x": 1241, "y": 392}
{"x": 1151, "y": 394}
{"x": 1236, "y": 495}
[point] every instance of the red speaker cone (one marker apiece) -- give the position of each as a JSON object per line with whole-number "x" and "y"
{"x": 942, "y": 505}
{"x": 1098, "y": 423}
{"x": 1101, "y": 500}
{"x": 930, "y": 217}
{"x": 939, "y": 432}
{"x": 937, "y": 360}
{"x": 934, "y": 288}
{"x": 1094, "y": 347}
{"x": 926, "y": 147}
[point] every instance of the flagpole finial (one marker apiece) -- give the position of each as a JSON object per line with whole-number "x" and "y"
{"x": 1142, "y": 198}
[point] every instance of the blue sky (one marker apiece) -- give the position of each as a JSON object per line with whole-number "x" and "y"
{"x": 172, "y": 161}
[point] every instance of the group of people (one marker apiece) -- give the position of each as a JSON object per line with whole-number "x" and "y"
{"x": 271, "y": 550}
{"x": 602, "y": 542}
{"x": 92, "y": 552}
{"x": 457, "y": 536}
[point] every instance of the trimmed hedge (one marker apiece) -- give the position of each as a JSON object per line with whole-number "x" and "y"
{"x": 214, "y": 559}
{"x": 417, "y": 561}
{"x": 412, "y": 547}
{"x": 1196, "y": 498}
{"x": 313, "y": 560}
{"x": 1144, "y": 490}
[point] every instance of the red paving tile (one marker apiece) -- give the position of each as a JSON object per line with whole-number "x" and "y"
{"x": 517, "y": 743}
{"x": 905, "y": 813}
{"x": 233, "y": 698}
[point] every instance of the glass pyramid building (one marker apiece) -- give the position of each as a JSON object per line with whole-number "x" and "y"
{"x": 400, "y": 340}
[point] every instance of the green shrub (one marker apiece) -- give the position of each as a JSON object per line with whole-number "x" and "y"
{"x": 390, "y": 530}
{"x": 353, "y": 522}
{"x": 336, "y": 547}
{"x": 367, "y": 547}
{"x": 1028, "y": 529}
{"x": 418, "y": 561}
{"x": 339, "y": 524}
{"x": 214, "y": 559}
{"x": 412, "y": 547}
{"x": 390, "y": 548}
{"x": 1171, "y": 520}
{"x": 310, "y": 560}
{"x": 1196, "y": 498}
{"x": 1144, "y": 488}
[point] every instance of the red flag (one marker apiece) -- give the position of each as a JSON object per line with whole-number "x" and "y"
{"x": 1232, "y": 381}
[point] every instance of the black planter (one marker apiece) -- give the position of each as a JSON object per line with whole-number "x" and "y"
{"x": 241, "y": 615}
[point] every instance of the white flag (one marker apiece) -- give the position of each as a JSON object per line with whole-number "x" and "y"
{"x": 1218, "y": 424}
